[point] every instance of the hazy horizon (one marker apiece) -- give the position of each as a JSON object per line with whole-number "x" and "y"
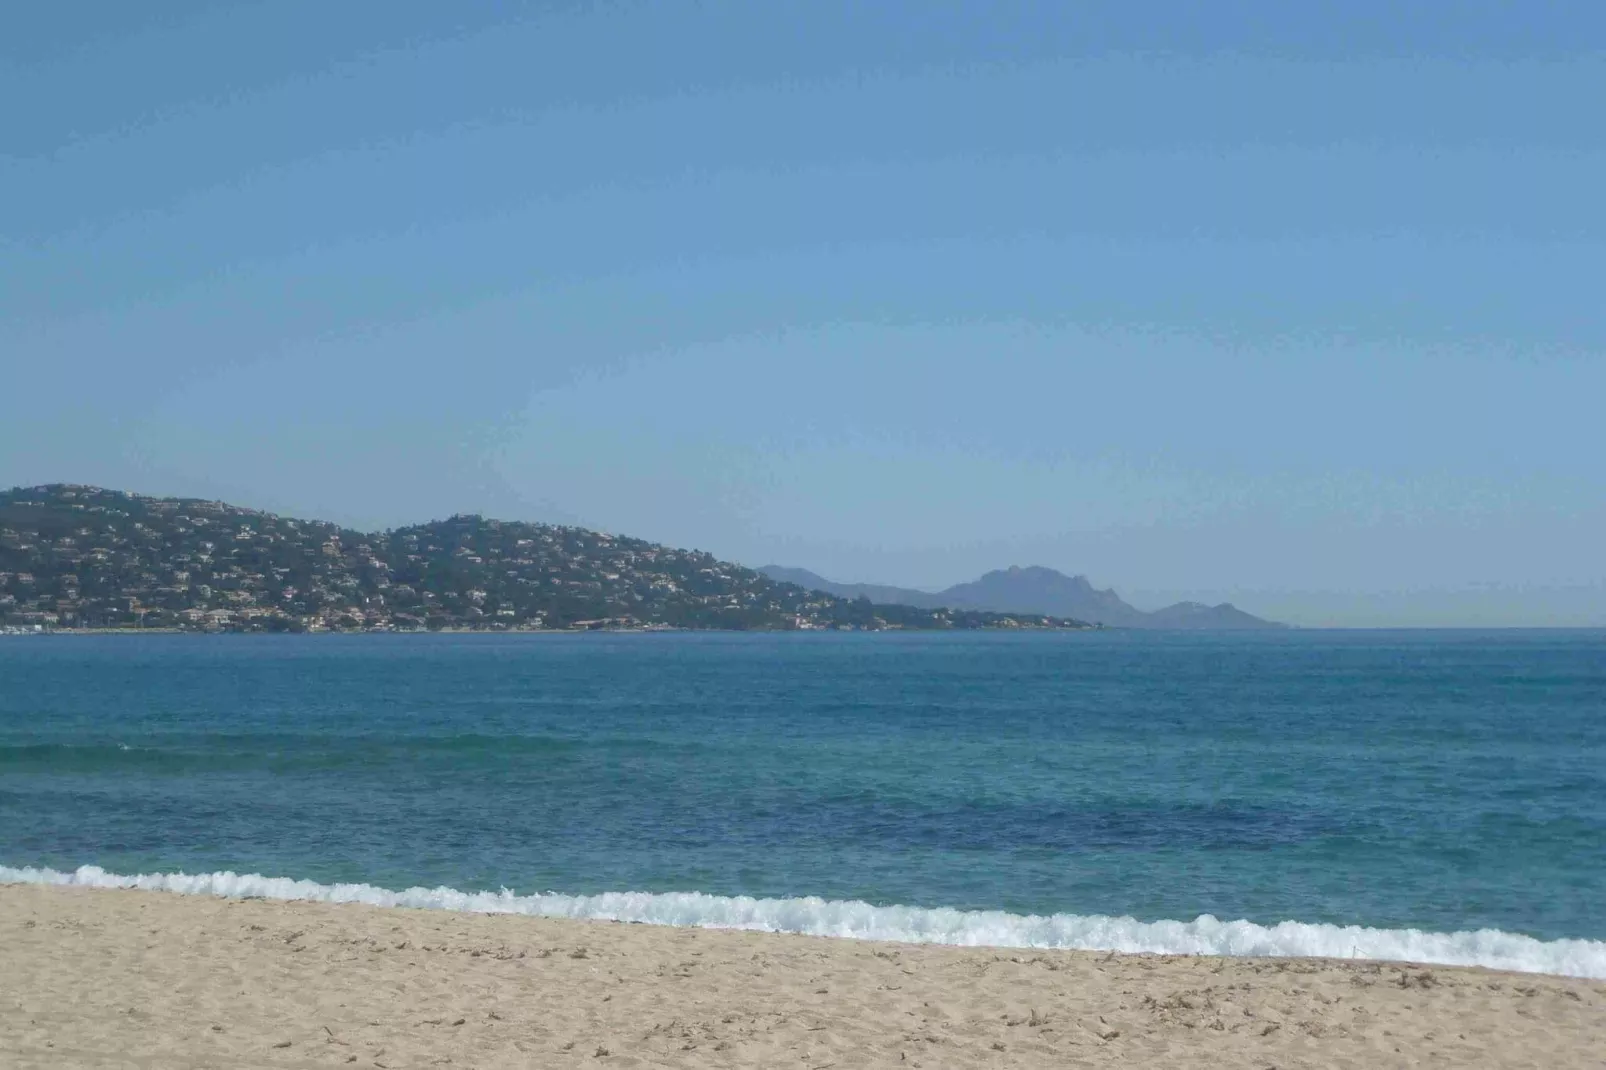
{"x": 1289, "y": 307}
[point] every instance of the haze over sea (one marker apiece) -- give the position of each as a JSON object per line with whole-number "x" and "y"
{"x": 1445, "y": 782}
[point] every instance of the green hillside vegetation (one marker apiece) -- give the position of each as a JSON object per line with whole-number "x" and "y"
{"x": 74, "y": 557}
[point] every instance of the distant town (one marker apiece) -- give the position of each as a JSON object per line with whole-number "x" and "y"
{"x": 80, "y": 558}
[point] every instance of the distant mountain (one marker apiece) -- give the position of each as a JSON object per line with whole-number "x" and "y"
{"x": 1036, "y": 589}
{"x": 875, "y": 592}
{"x": 1198, "y": 616}
{"x": 1037, "y": 585}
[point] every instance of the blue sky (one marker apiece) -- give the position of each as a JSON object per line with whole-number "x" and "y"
{"x": 1294, "y": 305}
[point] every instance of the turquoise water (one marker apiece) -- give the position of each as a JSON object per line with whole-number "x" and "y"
{"x": 1436, "y": 781}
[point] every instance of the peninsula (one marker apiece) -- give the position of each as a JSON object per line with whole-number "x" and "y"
{"x": 78, "y": 557}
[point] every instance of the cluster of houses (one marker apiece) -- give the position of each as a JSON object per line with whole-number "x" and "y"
{"x": 76, "y": 557}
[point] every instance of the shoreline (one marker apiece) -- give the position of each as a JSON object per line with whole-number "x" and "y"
{"x": 903, "y": 924}
{"x": 1571, "y": 629}
{"x": 102, "y": 977}
{"x": 666, "y": 629}
{"x": 913, "y": 925}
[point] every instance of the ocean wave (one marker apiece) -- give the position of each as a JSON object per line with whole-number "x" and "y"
{"x": 1204, "y": 935}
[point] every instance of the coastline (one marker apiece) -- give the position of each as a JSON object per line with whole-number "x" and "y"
{"x": 652, "y": 630}
{"x": 102, "y": 977}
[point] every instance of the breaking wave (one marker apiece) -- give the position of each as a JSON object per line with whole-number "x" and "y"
{"x": 1204, "y": 935}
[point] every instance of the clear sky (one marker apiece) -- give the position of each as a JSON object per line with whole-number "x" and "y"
{"x": 1298, "y": 305}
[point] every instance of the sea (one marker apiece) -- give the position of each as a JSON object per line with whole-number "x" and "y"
{"x": 1432, "y": 796}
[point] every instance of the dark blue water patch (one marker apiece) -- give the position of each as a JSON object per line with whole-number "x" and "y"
{"x": 1437, "y": 780}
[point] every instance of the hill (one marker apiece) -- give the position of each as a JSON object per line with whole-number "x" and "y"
{"x": 875, "y": 592}
{"x": 1198, "y": 616}
{"x": 1036, "y": 585}
{"x": 1036, "y": 589}
{"x": 81, "y": 557}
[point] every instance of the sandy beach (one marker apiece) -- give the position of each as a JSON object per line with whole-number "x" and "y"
{"x": 117, "y": 978}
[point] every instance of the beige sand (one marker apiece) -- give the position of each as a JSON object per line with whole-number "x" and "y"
{"x": 122, "y": 978}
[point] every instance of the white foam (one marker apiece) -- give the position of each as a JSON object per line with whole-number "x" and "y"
{"x": 1204, "y": 935}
